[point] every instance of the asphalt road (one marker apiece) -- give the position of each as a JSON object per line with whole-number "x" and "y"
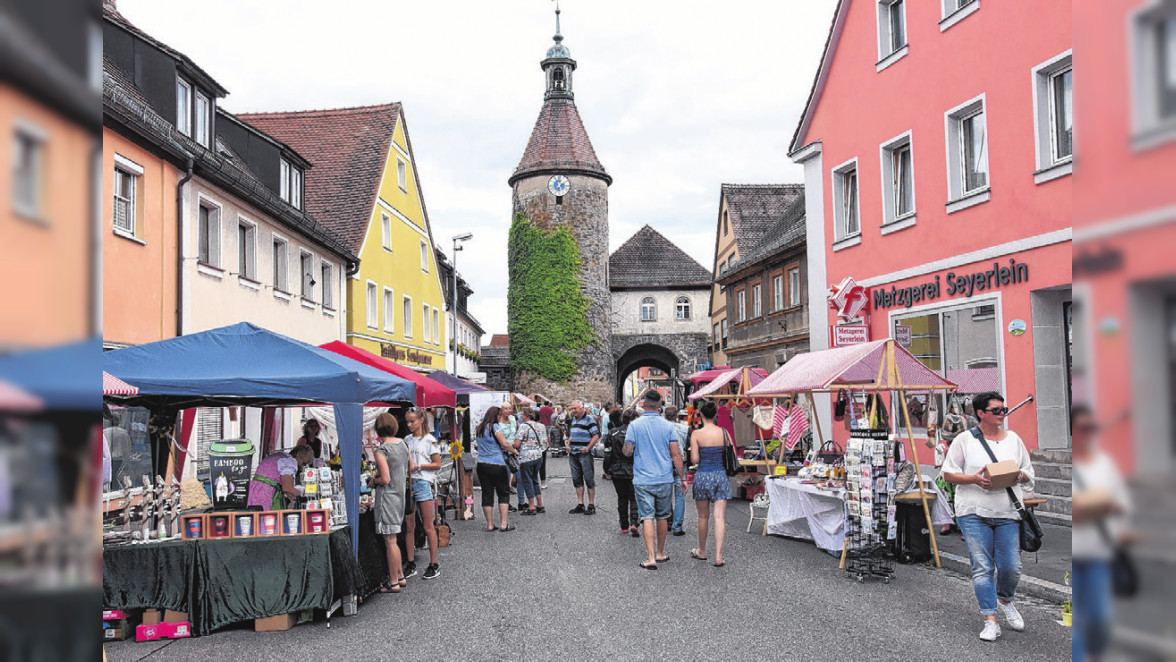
{"x": 567, "y": 587}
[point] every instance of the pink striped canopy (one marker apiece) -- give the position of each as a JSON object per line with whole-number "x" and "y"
{"x": 523, "y": 400}
{"x": 855, "y": 366}
{"x": 13, "y": 399}
{"x": 976, "y": 380}
{"x": 734, "y": 375}
{"x": 112, "y": 385}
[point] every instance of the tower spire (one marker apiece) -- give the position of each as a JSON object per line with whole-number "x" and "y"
{"x": 558, "y": 37}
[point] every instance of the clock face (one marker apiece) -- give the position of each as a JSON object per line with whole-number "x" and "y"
{"x": 558, "y": 185}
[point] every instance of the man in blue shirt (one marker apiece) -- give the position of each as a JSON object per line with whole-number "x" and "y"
{"x": 653, "y": 443}
{"x": 679, "y": 497}
{"x": 584, "y": 433}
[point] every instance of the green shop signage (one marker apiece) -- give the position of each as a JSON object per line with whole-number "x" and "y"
{"x": 953, "y": 284}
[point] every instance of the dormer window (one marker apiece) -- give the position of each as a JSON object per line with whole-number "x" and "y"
{"x": 193, "y": 112}
{"x": 290, "y": 186}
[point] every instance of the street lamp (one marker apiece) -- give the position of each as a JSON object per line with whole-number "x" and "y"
{"x": 457, "y": 239}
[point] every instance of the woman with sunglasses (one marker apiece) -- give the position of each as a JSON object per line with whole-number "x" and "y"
{"x": 986, "y": 516}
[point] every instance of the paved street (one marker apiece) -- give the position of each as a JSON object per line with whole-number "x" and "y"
{"x": 568, "y": 587}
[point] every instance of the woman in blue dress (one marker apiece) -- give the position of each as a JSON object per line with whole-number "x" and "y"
{"x": 710, "y": 481}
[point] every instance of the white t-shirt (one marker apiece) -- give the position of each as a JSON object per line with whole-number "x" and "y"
{"x": 1100, "y": 473}
{"x": 422, "y": 450}
{"x": 967, "y": 456}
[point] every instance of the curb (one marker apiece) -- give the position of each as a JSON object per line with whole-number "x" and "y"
{"x": 1030, "y": 585}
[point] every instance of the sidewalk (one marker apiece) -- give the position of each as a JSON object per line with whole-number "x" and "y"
{"x": 1043, "y": 573}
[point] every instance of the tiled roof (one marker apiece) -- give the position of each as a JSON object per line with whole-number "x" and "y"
{"x": 559, "y": 143}
{"x": 786, "y": 233}
{"x": 753, "y": 208}
{"x": 347, "y": 149}
{"x": 649, "y": 260}
{"x": 499, "y": 340}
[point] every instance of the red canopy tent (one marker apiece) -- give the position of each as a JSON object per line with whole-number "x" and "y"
{"x": 429, "y": 393}
{"x": 112, "y": 385}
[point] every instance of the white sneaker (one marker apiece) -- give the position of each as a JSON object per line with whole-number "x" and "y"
{"x": 991, "y": 631}
{"x": 1013, "y": 617}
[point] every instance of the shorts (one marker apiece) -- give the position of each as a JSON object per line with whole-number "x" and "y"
{"x": 654, "y": 501}
{"x": 422, "y": 490}
{"x": 582, "y": 469}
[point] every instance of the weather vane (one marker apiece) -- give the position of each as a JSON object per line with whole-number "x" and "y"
{"x": 558, "y": 37}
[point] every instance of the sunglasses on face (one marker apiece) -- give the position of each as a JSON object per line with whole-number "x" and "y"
{"x": 998, "y": 411}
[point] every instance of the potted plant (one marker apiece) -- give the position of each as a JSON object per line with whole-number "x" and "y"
{"x": 1068, "y": 613}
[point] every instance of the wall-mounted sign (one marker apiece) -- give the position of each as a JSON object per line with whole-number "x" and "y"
{"x": 401, "y": 354}
{"x": 902, "y": 334}
{"x": 850, "y": 334}
{"x": 953, "y": 284}
{"x": 1017, "y": 327}
{"x": 848, "y": 298}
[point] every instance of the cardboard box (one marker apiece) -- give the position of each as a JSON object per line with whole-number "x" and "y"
{"x": 1092, "y": 503}
{"x": 292, "y": 522}
{"x": 275, "y": 623}
{"x": 244, "y": 525}
{"x": 170, "y": 616}
{"x": 115, "y": 633}
{"x": 162, "y": 631}
{"x": 1003, "y": 474}
{"x": 152, "y": 617}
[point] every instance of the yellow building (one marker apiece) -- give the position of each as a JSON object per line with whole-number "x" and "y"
{"x": 364, "y": 186}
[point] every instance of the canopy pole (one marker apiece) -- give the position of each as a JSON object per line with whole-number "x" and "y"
{"x": 897, "y": 380}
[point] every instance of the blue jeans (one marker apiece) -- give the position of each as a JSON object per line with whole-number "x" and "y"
{"x": 581, "y": 464}
{"x": 529, "y": 479}
{"x": 1091, "y": 580}
{"x": 653, "y": 501}
{"x": 679, "y": 509}
{"x": 994, "y": 545}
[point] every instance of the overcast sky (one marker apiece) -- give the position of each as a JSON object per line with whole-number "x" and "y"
{"x": 677, "y": 97}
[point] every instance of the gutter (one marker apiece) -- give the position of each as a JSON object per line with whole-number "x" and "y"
{"x": 180, "y": 246}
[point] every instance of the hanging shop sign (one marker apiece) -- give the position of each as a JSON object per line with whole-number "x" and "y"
{"x": 902, "y": 335}
{"x": 848, "y": 298}
{"x": 953, "y": 284}
{"x": 850, "y": 334}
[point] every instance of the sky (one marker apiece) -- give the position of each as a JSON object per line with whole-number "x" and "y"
{"x": 677, "y": 97}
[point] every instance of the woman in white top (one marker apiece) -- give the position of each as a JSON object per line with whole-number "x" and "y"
{"x": 1101, "y": 501}
{"x": 423, "y": 463}
{"x": 986, "y": 516}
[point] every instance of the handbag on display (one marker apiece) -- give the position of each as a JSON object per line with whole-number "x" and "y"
{"x": 1031, "y": 532}
{"x": 1124, "y": 572}
{"x": 730, "y": 462}
{"x": 830, "y": 453}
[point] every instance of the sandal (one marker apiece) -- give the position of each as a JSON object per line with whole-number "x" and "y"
{"x": 403, "y": 582}
{"x": 663, "y": 559}
{"x": 694, "y": 554}
{"x": 720, "y": 564}
{"x": 389, "y": 588}
{"x": 649, "y": 566}
{"x": 508, "y": 527}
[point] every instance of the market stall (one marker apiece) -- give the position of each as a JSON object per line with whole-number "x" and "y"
{"x": 866, "y": 474}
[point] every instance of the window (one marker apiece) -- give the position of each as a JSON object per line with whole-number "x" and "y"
{"x": 246, "y": 250}
{"x": 208, "y": 235}
{"x": 1053, "y": 105}
{"x": 716, "y": 343}
{"x": 327, "y": 279}
{"x": 757, "y": 304}
{"x": 1166, "y": 76}
{"x": 741, "y": 298}
{"x": 892, "y": 39}
{"x": 425, "y": 333}
{"x": 794, "y": 287}
{"x": 201, "y": 120}
{"x": 967, "y": 155}
{"x": 726, "y": 223}
{"x": 290, "y": 183}
{"x": 955, "y": 11}
{"x": 94, "y": 54}
{"x": 183, "y": 107}
{"x": 436, "y": 326}
{"x": 372, "y": 311}
{"x": 386, "y": 231}
{"x": 648, "y": 310}
{"x": 126, "y": 185}
{"x": 424, "y": 256}
{"x": 306, "y": 261}
{"x": 845, "y": 197}
{"x": 27, "y": 164}
{"x": 724, "y": 323}
{"x": 401, "y": 174}
{"x": 898, "y": 181}
{"x": 777, "y": 292}
{"x": 389, "y": 311}
{"x": 406, "y": 317}
{"x": 281, "y": 266}
{"x": 1153, "y": 71}
{"x": 682, "y": 309}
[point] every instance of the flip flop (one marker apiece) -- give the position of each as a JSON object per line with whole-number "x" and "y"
{"x": 720, "y": 564}
{"x": 694, "y": 554}
{"x": 663, "y": 559}
{"x": 508, "y": 527}
{"x": 648, "y": 567}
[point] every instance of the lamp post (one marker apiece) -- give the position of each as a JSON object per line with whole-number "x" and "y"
{"x": 457, "y": 239}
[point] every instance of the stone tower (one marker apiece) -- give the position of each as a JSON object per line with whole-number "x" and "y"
{"x": 559, "y": 181}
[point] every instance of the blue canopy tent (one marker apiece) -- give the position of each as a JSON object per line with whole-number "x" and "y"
{"x": 246, "y": 365}
{"x": 66, "y": 378}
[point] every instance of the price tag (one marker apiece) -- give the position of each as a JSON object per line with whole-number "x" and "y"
{"x": 781, "y": 470}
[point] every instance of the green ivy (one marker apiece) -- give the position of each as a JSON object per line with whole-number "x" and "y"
{"x": 547, "y": 311}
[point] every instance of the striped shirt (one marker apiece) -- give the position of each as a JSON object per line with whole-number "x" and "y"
{"x": 583, "y": 429}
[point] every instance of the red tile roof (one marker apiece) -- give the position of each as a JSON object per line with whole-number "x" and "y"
{"x": 559, "y": 143}
{"x": 499, "y": 340}
{"x": 347, "y": 149}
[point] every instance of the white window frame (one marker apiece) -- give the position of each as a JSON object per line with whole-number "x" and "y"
{"x": 214, "y": 232}
{"x": 133, "y": 171}
{"x": 424, "y": 256}
{"x": 777, "y": 293}
{"x": 184, "y": 107}
{"x": 436, "y": 326}
{"x": 652, "y": 304}
{"x": 280, "y": 263}
{"x": 794, "y": 288}
{"x": 892, "y": 221}
{"x": 389, "y": 297}
{"x": 290, "y": 183}
{"x": 371, "y": 299}
{"x": 757, "y": 301}
{"x": 955, "y": 11}
{"x": 888, "y": 51}
{"x": 717, "y": 337}
{"x": 1150, "y": 127}
{"x": 957, "y": 198}
{"x": 305, "y": 289}
{"x": 386, "y": 231}
{"x": 401, "y": 174}
{"x": 741, "y": 306}
{"x": 406, "y": 315}
{"x": 1049, "y": 166}
{"x": 201, "y": 121}
{"x": 248, "y": 270}
{"x": 296, "y": 187}
{"x": 843, "y": 238}
{"x": 683, "y": 309}
{"x": 37, "y": 140}
{"x": 327, "y": 284}
{"x": 426, "y": 329}
{"x": 724, "y": 323}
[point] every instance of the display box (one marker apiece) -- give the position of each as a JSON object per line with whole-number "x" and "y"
{"x": 275, "y": 623}
{"x": 114, "y": 614}
{"x": 318, "y": 521}
{"x": 116, "y": 632}
{"x": 268, "y": 523}
{"x": 292, "y": 522}
{"x": 219, "y": 526}
{"x": 152, "y": 617}
{"x": 162, "y": 631}
{"x": 172, "y": 616}
{"x": 244, "y": 525}
{"x": 1003, "y": 474}
{"x": 194, "y": 527}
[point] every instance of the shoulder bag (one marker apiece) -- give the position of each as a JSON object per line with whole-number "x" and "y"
{"x": 730, "y": 462}
{"x": 1031, "y": 533}
{"x": 1124, "y": 573}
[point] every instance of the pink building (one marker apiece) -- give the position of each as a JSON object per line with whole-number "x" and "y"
{"x": 938, "y": 148}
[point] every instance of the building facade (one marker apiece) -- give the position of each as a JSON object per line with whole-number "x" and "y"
{"x": 465, "y": 338}
{"x": 364, "y": 185}
{"x": 951, "y": 203}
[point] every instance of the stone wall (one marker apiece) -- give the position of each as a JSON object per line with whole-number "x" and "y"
{"x": 689, "y": 348}
{"x": 626, "y": 312}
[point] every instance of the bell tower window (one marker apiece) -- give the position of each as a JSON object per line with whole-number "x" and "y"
{"x": 557, "y": 79}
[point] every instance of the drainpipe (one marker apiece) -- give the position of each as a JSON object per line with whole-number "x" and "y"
{"x": 180, "y": 247}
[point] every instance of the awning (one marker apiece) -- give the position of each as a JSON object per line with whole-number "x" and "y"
{"x": 734, "y": 375}
{"x": 429, "y": 392}
{"x": 975, "y": 380}
{"x": 112, "y": 385}
{"x": 866, "y": 366}
{"x": 459, "y": 385}
{"x": 522, "y": 399}
{"x": 12, "y": 399}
